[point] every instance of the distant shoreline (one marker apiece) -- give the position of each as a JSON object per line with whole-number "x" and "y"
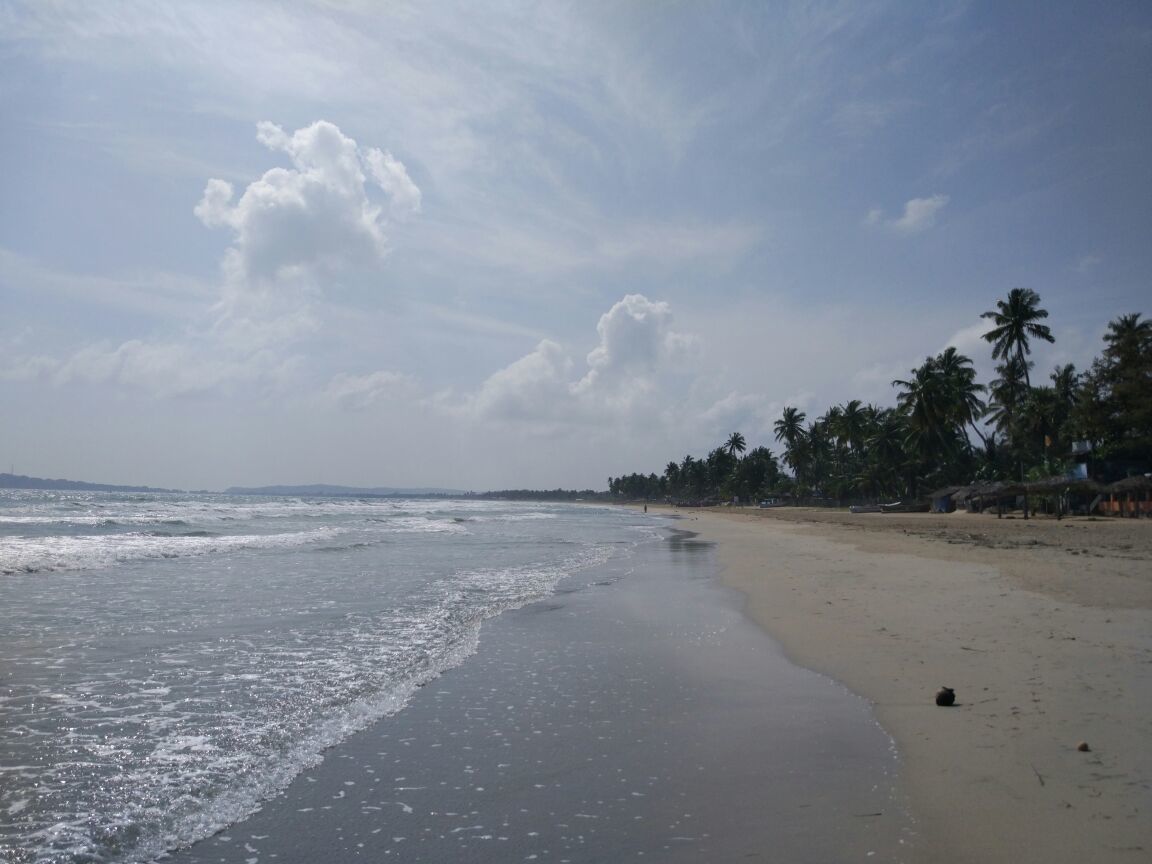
{"x": 313, "y": 490}
{"x": 21, "y": 481}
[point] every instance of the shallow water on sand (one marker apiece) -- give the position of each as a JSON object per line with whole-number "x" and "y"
{"x": 633, "y": 714}
{"x": 170, "y": 661}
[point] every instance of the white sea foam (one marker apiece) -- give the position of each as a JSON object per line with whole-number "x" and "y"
{"x": 426, "y": 525}
{"x": 181, "y": 678}
{"x": 84, "y": 552}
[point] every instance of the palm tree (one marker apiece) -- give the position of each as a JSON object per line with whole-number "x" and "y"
{"x": 886, "y": 443}
{"x": 963, "y": 392}
{"x": 1127, "y": 336}
{"x": 923, "y": 399}
{"x": 735, "y": 444}
{"x": 719, "y": 464}
{"x": 831, "y": 421}
{"x": 755, "y": 474}
{"x": 809, "y": 457}
{"x": 1008, "y": 392}
{"x": 853, "y": 420}
{"x": 790, "y": 429}
{"x": 693, "y": 475}
{"x": 790, "y": 426}
{"x": 1016, "y": 321}
{"x": 1117, "y": 391}
{"x": 1064, "y": 382}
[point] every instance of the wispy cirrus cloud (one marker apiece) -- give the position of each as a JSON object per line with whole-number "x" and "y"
{"x": 357, "y": 392}
{"x": 158, "y": 294}
{"x": 919, "y": 215}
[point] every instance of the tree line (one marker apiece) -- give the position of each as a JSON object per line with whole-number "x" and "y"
{"x": 945, "y": 428}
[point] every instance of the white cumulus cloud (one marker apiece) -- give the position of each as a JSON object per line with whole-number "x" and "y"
{"x": 315, "y": 217}
{"x": 636, "y": 339}
{"x": 535, "y": 387}
{"x": 627, "y": 369}
{"x": 291, "y": 227}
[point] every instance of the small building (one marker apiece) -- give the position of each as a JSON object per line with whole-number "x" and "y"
{"x": 944, "y": 500}
{"x": 1131, "y": 496}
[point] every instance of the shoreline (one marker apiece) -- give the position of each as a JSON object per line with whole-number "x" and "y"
{"x": 1043, "y": 627}
{"x": 636, "y": 713}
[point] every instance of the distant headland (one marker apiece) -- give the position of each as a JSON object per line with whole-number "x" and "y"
{"x": 19, "y": 481}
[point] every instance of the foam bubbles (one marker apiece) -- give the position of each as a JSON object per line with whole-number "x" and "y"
{"x": 86, "y": 552}
{"x": 174, "y": 661}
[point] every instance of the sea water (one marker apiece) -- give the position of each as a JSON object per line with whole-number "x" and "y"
{"x": 170, "y": 661}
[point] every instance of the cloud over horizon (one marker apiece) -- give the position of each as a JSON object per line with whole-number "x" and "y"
{"x": 625, "y": 372}
{"x": 497, "y": 231}
{"x": 294, "y": 229}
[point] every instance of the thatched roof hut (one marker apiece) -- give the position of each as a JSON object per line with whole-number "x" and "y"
{"x": 1131, "y": 496}
{"x": 978, "y": 495}
{"x": 1059, "y": 485}
{"x": 1136, "y": 483}
{"x": 998, "y": 489}
{"x": 942, "y": 500}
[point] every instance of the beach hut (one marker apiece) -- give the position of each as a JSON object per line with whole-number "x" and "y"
{"x": 1060, "y": 490}
{"x": 1060, "y": 494}
{"x": 979, "y": 496}
{"x": 1131, "y": 496}
{"x": 944, "y": 500}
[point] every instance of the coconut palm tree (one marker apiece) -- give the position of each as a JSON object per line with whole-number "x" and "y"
{"x": 810, "y": 457}
{"x": 923, "y": 399}
{"x": 886, "y": 446}
{"x": 758, "y": 471}
{"x": 1127, "y": 336}
{"x": 790, "y": 429}
{"x": 735, "y": 444}
{"x": 790, "y": 426}
{"x": 962, "y": 390}
{"x": 853, "y": 421}
{"x": 1064, "y": 382}
{"x": 1016, "y": 322}
{"x": 1116, "y": 393}
{"x": 1008, "y": 393}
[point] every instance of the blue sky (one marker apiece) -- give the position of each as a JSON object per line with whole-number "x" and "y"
{"x": 498, "y": 244}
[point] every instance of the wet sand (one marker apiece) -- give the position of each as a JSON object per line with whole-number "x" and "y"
{"x": 633, "y": 715}
{"x": 1044, "y": 629}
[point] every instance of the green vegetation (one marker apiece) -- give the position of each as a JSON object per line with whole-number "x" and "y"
{"x": 945, "y": 428}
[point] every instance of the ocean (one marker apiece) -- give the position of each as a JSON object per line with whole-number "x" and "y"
{"x": 172, "y": 664}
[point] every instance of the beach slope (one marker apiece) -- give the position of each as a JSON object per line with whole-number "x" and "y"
{"x": 1044, "y": 629}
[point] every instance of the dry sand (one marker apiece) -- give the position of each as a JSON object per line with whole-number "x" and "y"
{"x": 1044, "y": 629}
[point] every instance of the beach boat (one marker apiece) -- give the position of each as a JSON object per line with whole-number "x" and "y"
{"x": 866, "y": 508}
{"x": 901, "y": 507}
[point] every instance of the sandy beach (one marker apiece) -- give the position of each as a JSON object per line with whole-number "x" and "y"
{"x": 1042, "y": 627}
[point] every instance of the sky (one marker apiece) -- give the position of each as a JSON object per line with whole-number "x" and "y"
{"x": 536, "y": 244}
